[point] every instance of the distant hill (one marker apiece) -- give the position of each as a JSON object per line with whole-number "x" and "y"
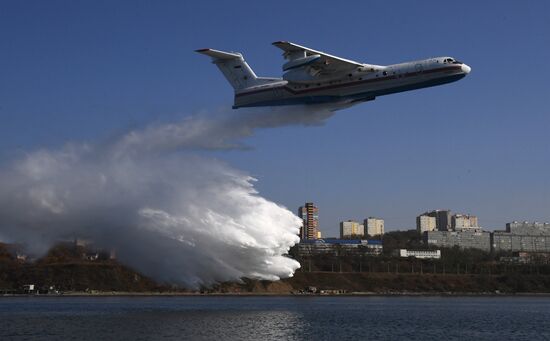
{"x": 70, "y": 268}
{"x": 66, "y": 268}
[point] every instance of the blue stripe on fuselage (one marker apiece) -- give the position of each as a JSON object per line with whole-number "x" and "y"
{"x": 358, "y": 96}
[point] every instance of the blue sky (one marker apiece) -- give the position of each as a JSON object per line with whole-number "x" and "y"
{"x": 86, "y": 70}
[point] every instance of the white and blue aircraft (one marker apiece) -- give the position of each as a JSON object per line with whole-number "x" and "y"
{"x": 315, "y": 77}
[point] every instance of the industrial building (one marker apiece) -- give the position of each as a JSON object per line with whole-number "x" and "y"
{"x": 338, "y": 247}
{"x": 310, "y": 221}
{"x": 351, "y": 229}
{"x": 374, "y": 226}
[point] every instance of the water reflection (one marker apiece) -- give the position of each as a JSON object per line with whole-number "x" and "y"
{"x": 275, "y": 318}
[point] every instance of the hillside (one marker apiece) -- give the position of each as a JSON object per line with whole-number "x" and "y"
{"x": 66, "y": 269}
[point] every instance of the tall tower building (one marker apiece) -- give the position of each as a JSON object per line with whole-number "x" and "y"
{"x": 425, "y": 223}
{"x": 463, "y": 221}
{"x": 442, "y": 219}
{"x": 374, "y": 226}
{"x": 351, "y": 229}
{"x": 310, "y": 217}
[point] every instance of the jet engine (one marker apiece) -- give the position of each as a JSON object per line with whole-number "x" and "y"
{"x": 300, "y": 62}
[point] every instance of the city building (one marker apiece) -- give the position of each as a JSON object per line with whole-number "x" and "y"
{"x": 425, "y": 223}
{"x": 338, "y": 247}
{"x": 527, "y": 228}
{"x": 522, "y": 237}
{"x": 351, "y": 229}
{"x": 374, "y": 226}
{"x": 474, "y": 238}
{"x": 532, "y": 238}
{"x": 442, "y": 219}
{"x": 422, "y": 254}
{"x": 463, "y": 221}
{"x": 310, "y": 221}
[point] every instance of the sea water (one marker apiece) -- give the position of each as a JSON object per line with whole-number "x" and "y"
{"x": 274, "y": 318}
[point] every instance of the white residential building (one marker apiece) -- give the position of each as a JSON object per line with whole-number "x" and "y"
{"x": 463, "y": 221}
{"x": 350, "y": 229}
{"x": 374, "y": 226}
{"x": 425, "y": 223}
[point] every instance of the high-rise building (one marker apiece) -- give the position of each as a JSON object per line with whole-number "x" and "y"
{"x": 425, "y": 223}
{"x": 463, "y": 221}
{"x": 310, "y": 217}
{"x": 442, "y": 219}
{"x": 374, "y": 226}
{"x": 351, "y": 229}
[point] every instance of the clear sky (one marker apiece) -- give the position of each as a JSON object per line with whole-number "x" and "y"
{"x": 85, "y": 70}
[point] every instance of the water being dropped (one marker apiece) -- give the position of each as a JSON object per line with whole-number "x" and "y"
{"x": 171, "y": 214}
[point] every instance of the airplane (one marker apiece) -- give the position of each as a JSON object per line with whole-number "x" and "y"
{"x": 315, "y": 77}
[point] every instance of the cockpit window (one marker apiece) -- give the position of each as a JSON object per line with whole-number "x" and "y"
{"x": 451, "y": 61}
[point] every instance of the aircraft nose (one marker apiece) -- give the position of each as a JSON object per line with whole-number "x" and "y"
{"x": 466, "y": 69}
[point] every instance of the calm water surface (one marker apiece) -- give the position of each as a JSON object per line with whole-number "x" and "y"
{"x": 275, "y": 318}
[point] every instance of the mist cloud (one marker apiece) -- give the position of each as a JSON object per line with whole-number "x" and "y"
{"x": 171, "y": 214}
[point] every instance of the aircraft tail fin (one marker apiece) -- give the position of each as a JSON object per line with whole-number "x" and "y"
{"x": 235, "y": 69}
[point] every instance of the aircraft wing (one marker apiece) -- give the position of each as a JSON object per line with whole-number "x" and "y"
{"x": 325, "y": 64}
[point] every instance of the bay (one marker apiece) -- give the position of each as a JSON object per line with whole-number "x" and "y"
{"x": 274, "y": 318}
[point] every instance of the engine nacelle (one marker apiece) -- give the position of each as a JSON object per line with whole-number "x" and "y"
{"x": 300, "y": 62}
{"x": 300, "y": 75}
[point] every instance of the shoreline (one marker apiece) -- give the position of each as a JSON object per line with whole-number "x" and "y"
{"x": 249, "y": 294}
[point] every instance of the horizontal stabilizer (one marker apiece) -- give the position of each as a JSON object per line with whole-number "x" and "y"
{"x": 216, "y": 54}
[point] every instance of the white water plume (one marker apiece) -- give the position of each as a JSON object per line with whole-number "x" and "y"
{"x": 175, "y": 216}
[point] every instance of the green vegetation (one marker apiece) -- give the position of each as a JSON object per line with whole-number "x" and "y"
{"x": 387, "y": 283}
{"x": 394, "y": 240}
{"x": 459, "y": 270}
{"x": 67, "y": 268}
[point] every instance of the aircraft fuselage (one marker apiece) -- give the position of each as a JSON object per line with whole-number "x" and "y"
{"x": 355, "y": 87}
